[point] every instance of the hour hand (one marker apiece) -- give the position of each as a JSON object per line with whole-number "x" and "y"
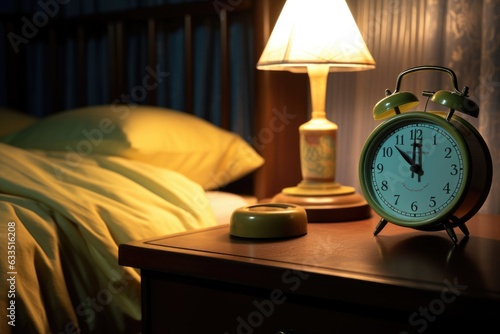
{"x": 405, "y": 156}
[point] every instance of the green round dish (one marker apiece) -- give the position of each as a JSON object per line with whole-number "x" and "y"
{"x": 270, "y": 220}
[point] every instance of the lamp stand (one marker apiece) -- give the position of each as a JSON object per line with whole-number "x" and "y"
{"x": 322, "y": 197}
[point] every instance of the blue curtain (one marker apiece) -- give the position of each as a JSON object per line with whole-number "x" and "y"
{"x": 170, "y": 57}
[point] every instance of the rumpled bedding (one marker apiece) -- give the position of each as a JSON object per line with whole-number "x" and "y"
{"x": 64, "y": 216}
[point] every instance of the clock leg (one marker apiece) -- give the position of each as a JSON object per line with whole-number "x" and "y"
{"x": 461, "y": 226}
{"x": 380, "y": 226}
{"x": 464, "y": 229}
{"x": 450, "y": 231}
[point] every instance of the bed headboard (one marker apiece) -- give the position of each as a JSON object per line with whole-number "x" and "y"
{"x": 277, "y": 101}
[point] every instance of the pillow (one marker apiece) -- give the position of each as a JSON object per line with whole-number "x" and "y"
{"x": 12, "y": 121}
{"x": 223, "y": 204}
{"x": 167, "y": 138}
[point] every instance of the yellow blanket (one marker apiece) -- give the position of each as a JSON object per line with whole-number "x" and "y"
{"x": 61, "y": 222}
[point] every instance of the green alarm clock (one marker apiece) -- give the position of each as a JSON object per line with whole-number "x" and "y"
{"x": 425, "y": 170}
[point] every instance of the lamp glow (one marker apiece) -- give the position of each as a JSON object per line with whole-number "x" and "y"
{"x": 318, "y": 37}
{"x": 316, "y": 32}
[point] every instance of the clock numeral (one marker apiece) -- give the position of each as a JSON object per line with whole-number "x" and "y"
{"x": 387, "y": 152}
{"x": 397, "y": 199}
{"x": 400, "y": 140}
{"x": 448, "y": 153}
{"x": 454, "y": 170}
{"x": 380, "y": 168}
{"x": 384, "y": 186}
{"x": 416, "y": 134}
{"x": 446, "y": 188}
{"x": 432, "y": 201}
{"x": 414, "y": 206}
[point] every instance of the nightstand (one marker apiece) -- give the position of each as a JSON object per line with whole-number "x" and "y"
{"x": 338, "y": 278}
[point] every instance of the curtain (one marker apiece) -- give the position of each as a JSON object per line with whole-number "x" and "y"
{"x": 459, "y": 34}
{"x": 170, "y": 56}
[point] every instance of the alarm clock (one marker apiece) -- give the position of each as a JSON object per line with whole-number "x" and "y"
{"x": 425, "y": 170}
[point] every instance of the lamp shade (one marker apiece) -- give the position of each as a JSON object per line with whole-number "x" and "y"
{"x": 312, "y": 32}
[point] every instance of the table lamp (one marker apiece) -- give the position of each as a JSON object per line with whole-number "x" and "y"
{"x": 317, "y": 37}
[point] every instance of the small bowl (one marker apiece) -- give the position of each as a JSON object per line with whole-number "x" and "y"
{"x": 269, "y": 220}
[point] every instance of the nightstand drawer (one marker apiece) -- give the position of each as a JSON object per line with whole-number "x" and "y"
{"x": 176, "y": 304}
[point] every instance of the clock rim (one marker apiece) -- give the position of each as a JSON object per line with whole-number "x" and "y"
{"x": 381, "y": 132}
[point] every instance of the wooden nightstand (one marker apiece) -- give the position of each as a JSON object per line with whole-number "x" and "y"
{"x": 338, "y": 278}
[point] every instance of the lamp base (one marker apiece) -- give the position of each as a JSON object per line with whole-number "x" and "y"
{"x": 326, "y": 202}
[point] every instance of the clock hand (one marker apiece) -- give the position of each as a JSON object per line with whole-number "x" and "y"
{"x": 419, "y": 170}
{"x": 413, "y": 156}
{"x": 417, "y": 167}
{"x": 405, "y": 156}
{"x": 414, "y": 167}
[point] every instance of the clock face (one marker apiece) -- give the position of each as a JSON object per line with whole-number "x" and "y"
{"x": 414, "y": 169}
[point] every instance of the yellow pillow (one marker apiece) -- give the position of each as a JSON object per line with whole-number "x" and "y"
{"x": 171, "y": 139}
{"x": 12, "y": 121}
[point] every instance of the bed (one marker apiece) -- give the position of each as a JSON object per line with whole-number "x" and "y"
{"x": 76, "y": 185}
{"x": 80, "y": 177}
